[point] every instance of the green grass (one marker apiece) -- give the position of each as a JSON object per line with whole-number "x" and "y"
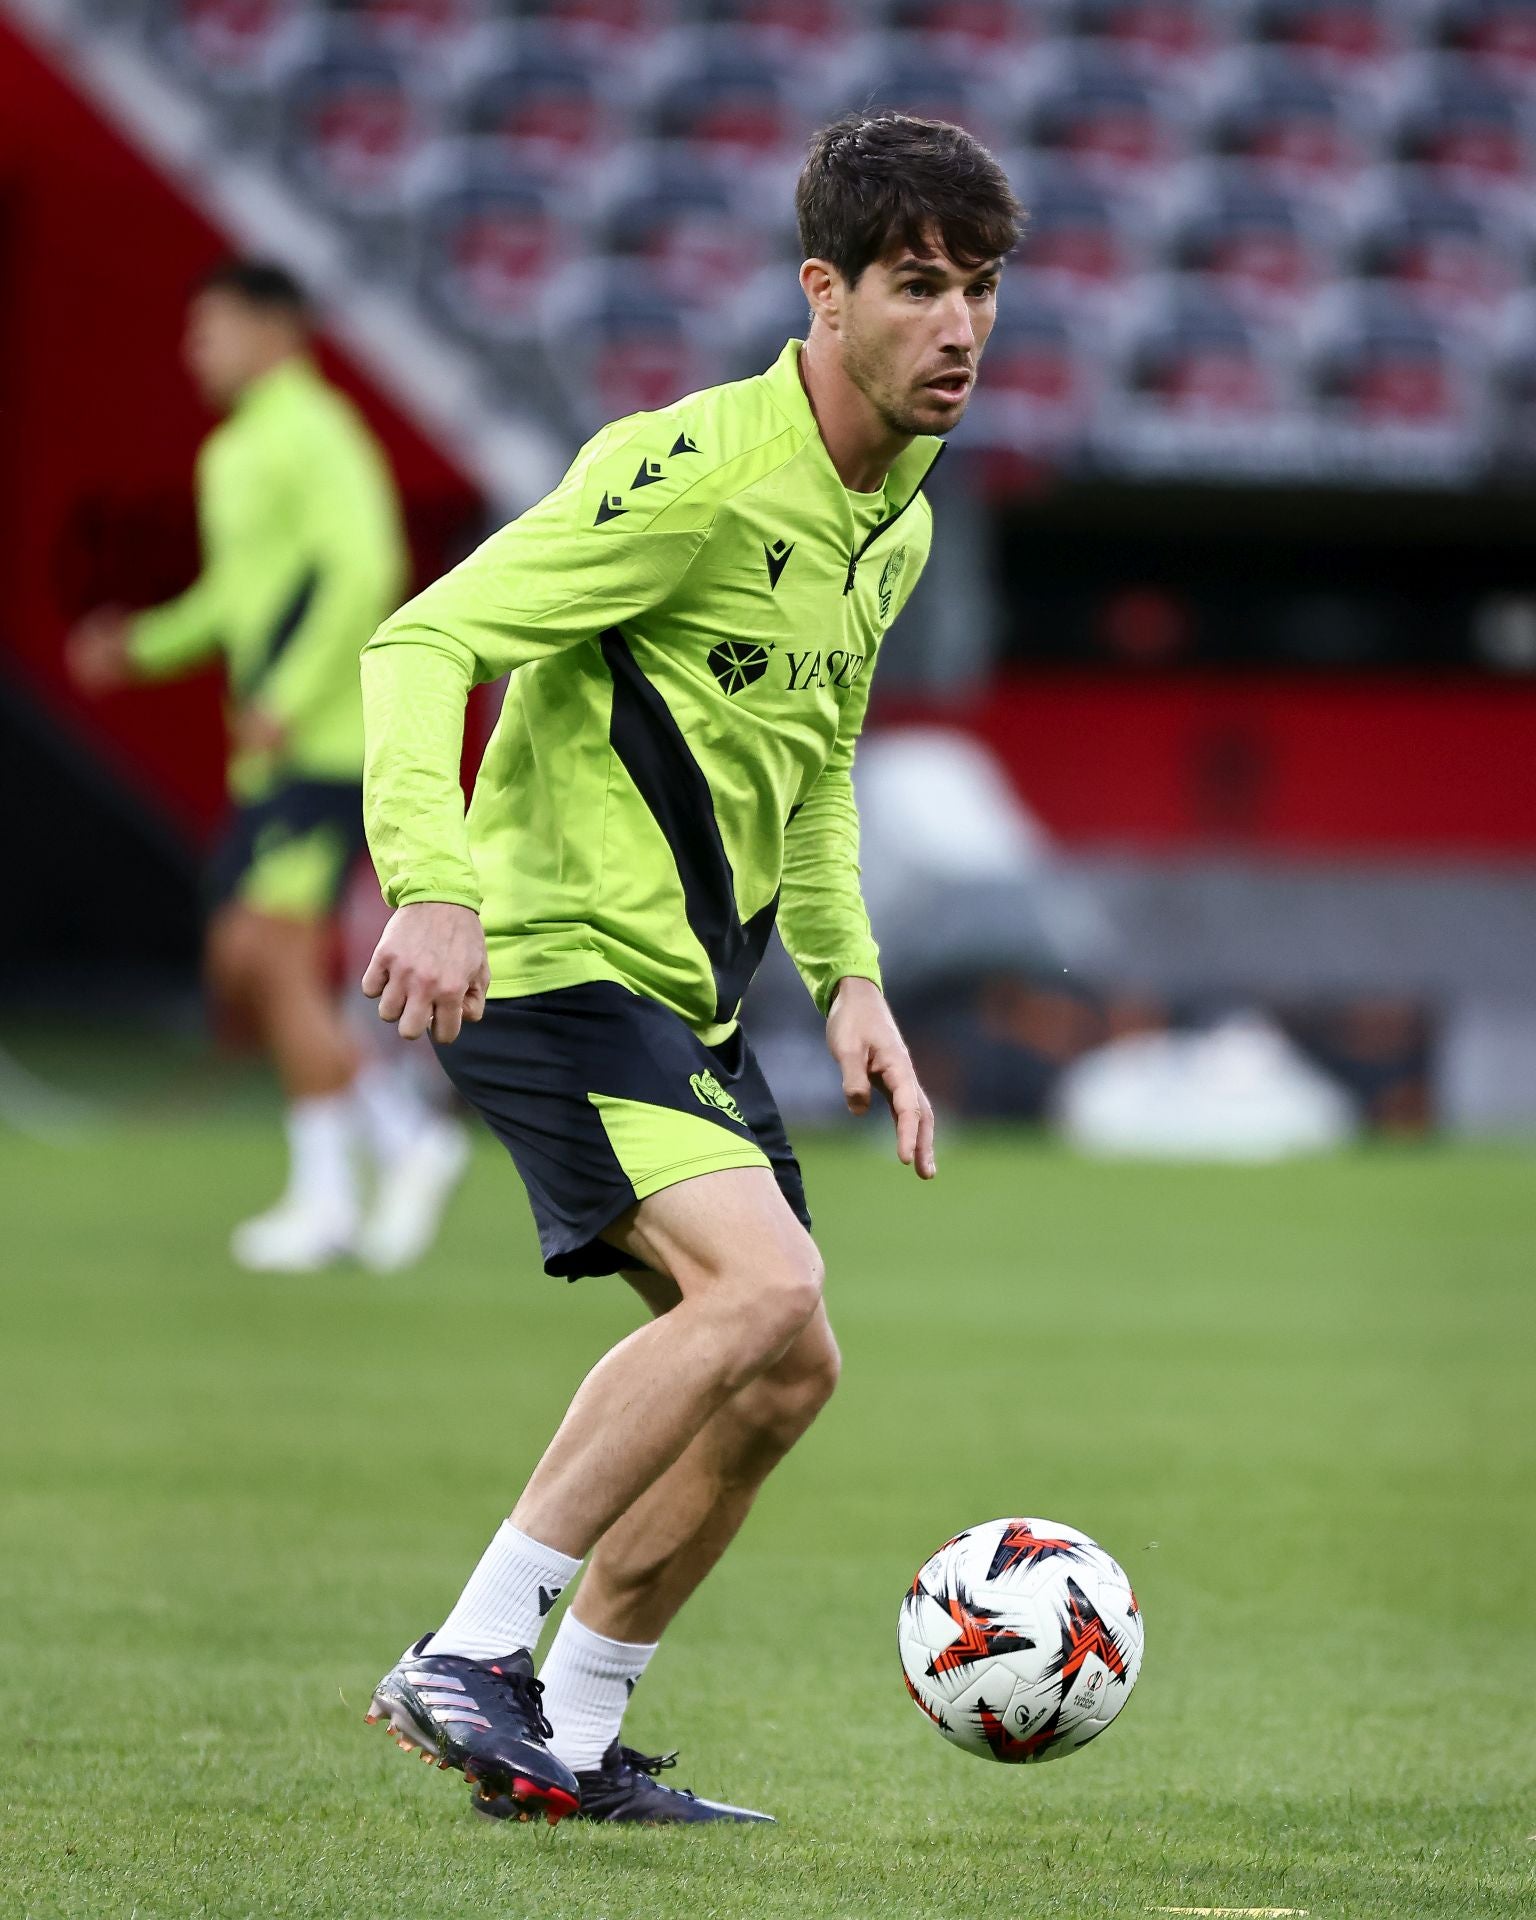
{"x": 1296, "y": 1403}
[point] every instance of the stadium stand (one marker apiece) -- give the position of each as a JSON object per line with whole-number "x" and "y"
{"x": 1310, "y": 215}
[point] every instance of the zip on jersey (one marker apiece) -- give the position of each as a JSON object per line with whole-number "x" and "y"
{"x": 888, "y": 522}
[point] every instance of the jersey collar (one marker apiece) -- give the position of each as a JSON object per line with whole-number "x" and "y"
{"x": 909, "y": 470}
{"x": 287, "y": 376}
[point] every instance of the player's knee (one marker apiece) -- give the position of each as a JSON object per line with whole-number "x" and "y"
{"x": 233, "y": 956}
{"x": 790, "y": 1293}
{"x": 766, "y": 1305}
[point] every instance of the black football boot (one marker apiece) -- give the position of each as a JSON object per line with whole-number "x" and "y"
{"x": 623, "y": 1788}
{"x": 486, "y": 1718}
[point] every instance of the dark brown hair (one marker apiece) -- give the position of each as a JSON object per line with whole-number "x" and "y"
{"x": 874, "y": 182}
{"x": 259, "y": 283}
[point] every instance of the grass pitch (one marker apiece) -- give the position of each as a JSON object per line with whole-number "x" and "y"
{"x": 1296, "y": 1403}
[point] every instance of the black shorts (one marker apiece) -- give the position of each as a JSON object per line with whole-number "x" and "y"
{"x": 289, "y": 854}
{"x": 603, "y": 1097}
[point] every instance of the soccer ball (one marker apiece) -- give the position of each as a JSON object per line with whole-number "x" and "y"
{"x": 1020, "y": 1640}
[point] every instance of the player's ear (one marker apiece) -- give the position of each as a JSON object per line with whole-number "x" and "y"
{"x": 822, "y": 285}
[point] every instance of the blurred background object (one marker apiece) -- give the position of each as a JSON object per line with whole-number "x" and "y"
{"x": 1218, "y": 696}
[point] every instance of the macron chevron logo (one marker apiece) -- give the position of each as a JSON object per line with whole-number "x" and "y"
{"x": 547, "y": 1598}
{"x": 777, "y": 557}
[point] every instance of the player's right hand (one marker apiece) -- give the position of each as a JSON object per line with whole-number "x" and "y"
{"x": 429, "y": 972}
{"x": 96, "y": 651}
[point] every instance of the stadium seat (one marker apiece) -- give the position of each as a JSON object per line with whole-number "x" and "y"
{"x": 1470, "y": 129}
{"x": 689, "y": 237}
{"x": 545, "y": 107}
{"x": 786, "y": 30}
{"x": 419, "y": 29}
{"x": 1104, "y": 117}
{"x": 1266, "y": 251}
{"x": 488, "y": 247}
{"x": 1382, "y": 366}
{"x": 1161, "y": 35}
{"x": 732, "y": 109}
{"x": 235, "y": 51}
{"x": 1455, "y": 259}
{"x": 1292, "y": 125}
{"x": 619, "y": 350}
{"x": 1498, "y": 36}
{"x": 1196, "y": 357}
{"x": 986, "y": 36}
{"x": 1043, "y": 376}
{"x": 355, "y": 129}
{"x": 920, "y": 83}
{"x": 1078, "y": 241}
{"x": 1346, "y": 37}
{"x": 617, "y": 31}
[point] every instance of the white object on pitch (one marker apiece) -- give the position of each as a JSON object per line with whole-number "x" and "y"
{"x": 295, "y": 1236}
{"x": 1020, "y": 1640}
{"x": 1239, "y": 1092}
{"x": 412, "y": 1196}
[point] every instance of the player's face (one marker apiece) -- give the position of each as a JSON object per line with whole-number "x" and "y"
{"x": 913, "y": 329}
{"x": 226, "y": 344}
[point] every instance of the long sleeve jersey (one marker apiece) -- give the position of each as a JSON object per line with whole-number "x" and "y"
{"x": 690, "y": 621}
{"x": 303, "y": 555}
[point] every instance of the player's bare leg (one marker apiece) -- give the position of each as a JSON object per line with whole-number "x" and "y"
{"x": 746, "y": 1292}
{"x": 272, "y": 973}
{"x": 649, "y": 1562}
{"x": 748, "y": 1278}
{"x": 655, "y": 1554}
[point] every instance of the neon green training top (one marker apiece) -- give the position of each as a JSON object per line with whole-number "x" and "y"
{"x": 693, "y": 615}
{"x": 303, "y": 555}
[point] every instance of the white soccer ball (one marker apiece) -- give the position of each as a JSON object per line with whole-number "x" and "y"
{"x": 1020, "y": 1639}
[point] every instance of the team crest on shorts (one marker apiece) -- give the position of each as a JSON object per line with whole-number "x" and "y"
{"x": 709, "y": 1092}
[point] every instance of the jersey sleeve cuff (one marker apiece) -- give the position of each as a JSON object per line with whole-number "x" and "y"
{"x": 441, "y": 896}
{"x": 864, "y": 971}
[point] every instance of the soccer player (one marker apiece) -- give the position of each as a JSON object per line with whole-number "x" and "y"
{"x": 690, "y": 620}
{"x": 303, "y": 556}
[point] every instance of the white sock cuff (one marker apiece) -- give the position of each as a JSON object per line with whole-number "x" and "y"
{"x": 601, "y": 1654}
{"x": 513, "y": 1540}
{"x": 507, "y": 1598}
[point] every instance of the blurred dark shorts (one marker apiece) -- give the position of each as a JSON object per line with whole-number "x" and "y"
{"x": 289, "y": 854}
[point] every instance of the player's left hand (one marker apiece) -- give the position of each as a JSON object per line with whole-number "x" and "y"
{"x": 257, "y": 731}
{"x": 96, "y": 651}
{"x": 867, "y": 1045}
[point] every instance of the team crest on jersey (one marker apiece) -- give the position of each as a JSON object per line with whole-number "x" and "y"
{"x": 708, "y": 1092}
{"x": 890, "y": 578}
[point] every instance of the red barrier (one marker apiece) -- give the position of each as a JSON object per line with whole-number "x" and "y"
{"x": 1286, "y": 765}
{"x": 100, "y": 426}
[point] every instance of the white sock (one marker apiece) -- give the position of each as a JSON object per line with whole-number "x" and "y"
{"x": 587, "y": 1684}
{"x": 509, "y": 1593}
{"x": 320, "y": 1173}
{"x": 391, "y": 1109}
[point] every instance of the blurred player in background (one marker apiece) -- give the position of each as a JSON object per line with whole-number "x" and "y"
{"x": 303, "y": 555}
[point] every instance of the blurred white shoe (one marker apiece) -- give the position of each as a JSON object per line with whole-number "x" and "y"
{"x": 295, "y": 1236}
{"x": 413, "y": 1191}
